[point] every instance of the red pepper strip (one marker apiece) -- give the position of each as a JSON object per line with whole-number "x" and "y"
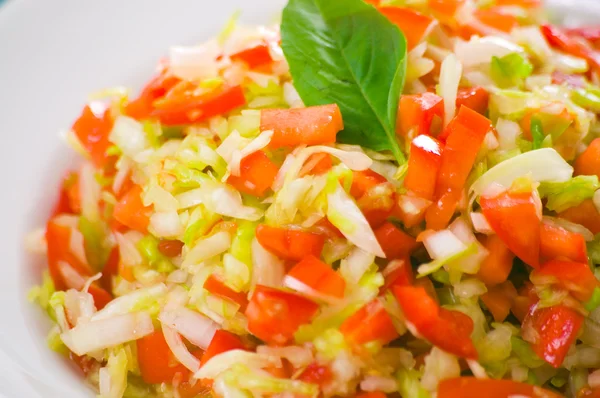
{"x": 92, "y": 129}
{"x": 573, "y": 276}
{"x": 274, "y": 315}
{"x": 370, "y": 323}
{"x": 131, "y": 212}
{"x": 395, "y": 242}
{"x": 514, "y": 218}
{"x": 448, "y": 330}
{"x": 254, "y": 57}
{"x": 58, "y": 238}
{"x": 319, "y": 276}
{"x": 217, "y": 287}
{"x": 401, "y": 274}
{"x": 257, "y": 173}
{"x": 314, "y": 125}
{"x": 221, "y": 342}
{"x": 551, "y": 331}
{"x": 418, "y": 112}
{"x": 415, "y": 26}
{"x": 585, "y": 214}
{"x": 290, "y": 244}
{"x": 560, "y": 39}
{"x": 424, "y": 163}
{"x": 557, "y": 242}
{"x": 465, "y": 135}
{"x": 471, "y": 387}
{"x": 190, "y": 107}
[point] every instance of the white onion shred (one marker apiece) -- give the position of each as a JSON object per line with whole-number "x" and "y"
{"x": 127, "y": 303}
{"x": 450, "y": 74}
{"x": 207, "y": 248}
{"x": 255, "y": 145}
{"x": 220, "y": 363}
{"x": 97, "y": 335}
{"x": 299, "y": 357}
{"x": 192, "y": 325}
{"x": 480, "y": 50}
{"x": 267, "y": 268}
{"x": 179, "y": 350}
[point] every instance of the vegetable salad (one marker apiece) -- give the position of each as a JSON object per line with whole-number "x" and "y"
{"x": 385, "y": 198}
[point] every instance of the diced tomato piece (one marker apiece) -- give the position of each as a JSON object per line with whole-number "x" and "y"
{"x": 558, "y": 38}
{"x": 499, "y": 300}
{"x": 217, "y": 287}
{"x": 363, "y": 181}
{"x": 415, "y": 26}
{"x": 92, "y": 129}
{"x": 465, "y": 135}
{"x": 290, "y": 244}
{"x": 157, "y": 87}
{"x": 274, "y": 315}
{"x": 319, "y": 276}
{"x": 423, "y": 165}
{"x": 170, "y": 248}
{"x": 588, "y": 163}
{"x": 557, "y": 242}
{"x": 68, "y": 198}
{"x": 395, "y": 242}
{"x": 254, "y": 57}
{"x": 472, "y": 387}
{"x": 496, "y": 267}
{"x": 157, "y": 363}
{"x": 494, "y": 18}
{"x": 418, "y": 112}
{"x": 475, "y": 98}
{"x": 370, "y": 323}
{"x": 221, "y": 342}
{"x": 573, "y": 276}
{"x": 448, "y": 330}
{"x": 514, "y": 218}
{"x": 190, "y": 107}
{"x": 316, "y": 374}
{"x": 378, "y": 203}
{"x": 131, "y": 212}
{"x": 445, "y": 10}
{"x": 401, "y": 274}
{"x": 585, "y": 214}
{"x": 551, "y": 331}
{"x": 439, "y": 214}
{"x": 314, "y": 125}
{"x": 257, "y": 173}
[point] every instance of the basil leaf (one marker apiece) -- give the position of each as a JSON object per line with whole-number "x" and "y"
{"x": 346, "y": 52}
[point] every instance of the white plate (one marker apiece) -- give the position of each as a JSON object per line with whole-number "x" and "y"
{"x": 52, "y": 54}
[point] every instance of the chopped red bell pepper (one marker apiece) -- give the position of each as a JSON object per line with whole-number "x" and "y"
{"x": 395, "y": 242}
{"x": 415, "y": 26}
{"x": 418, "y": 112}
{"x": 131, "y": 212}
{"x": 363, "y": 181}
{"x": 557, "y": 242}
{"x": 472, "y": 387}
{"x": 558, "y": 38}
{"x": 157, "y": 87}
{"x": 92, "y": 129}
{"x": 314, "y": 125}
{"x": 254, "y": 57}
{"x": 378, "y": 203}
{"x": 551, "y": 331}
{"x": 190, "y": 107}
{"x": 221, "y": 342}
{"x": 448, "y": 330}
{"x": 475, "y": 98}
{"x": 499, "y": 300}
{"x": 275, "y": 315}
{"x": 514, "y": 218}
{"x": 58, "y": 238}
{"x": 496, "y": 267}
{"x": 214, "y": 285}
{"x": 495, "y": 18}
{"x": 424, "y": 163}
{"x": 370, "y": 323}
{"x": 570, "y": 275}
{"x": 290, "y": 244}
{"x": 157, "y": 363}
{"x": 68, "y": 198}
{"x": 318, "y": 276}
{"x": 439, "y": 214}
{"x": 257, "y": 173}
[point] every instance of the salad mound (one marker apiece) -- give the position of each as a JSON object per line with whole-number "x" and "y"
{"x": 383, "y": 198}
